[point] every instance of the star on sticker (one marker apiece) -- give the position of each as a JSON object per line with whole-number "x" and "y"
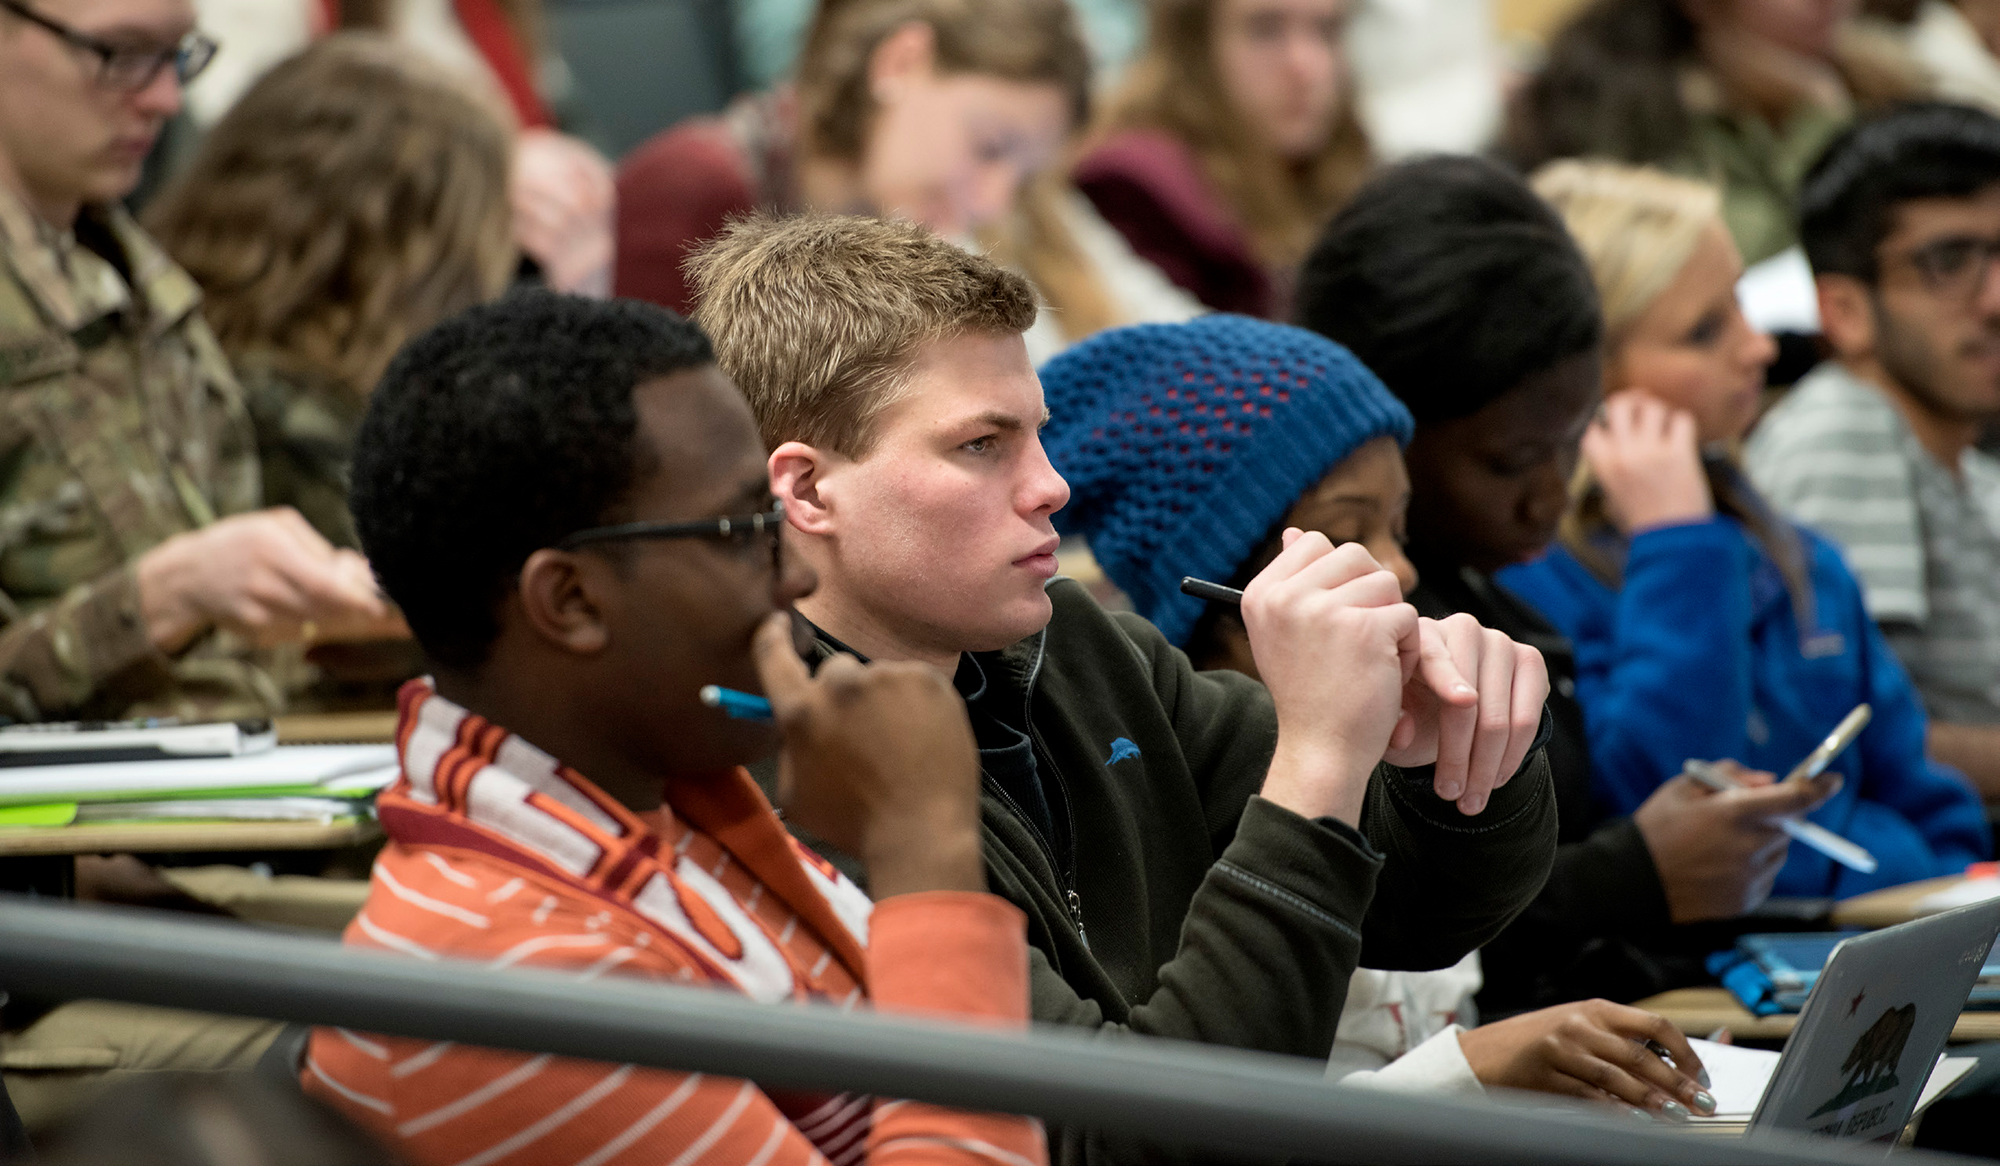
{"x": 1854, "y": 1006}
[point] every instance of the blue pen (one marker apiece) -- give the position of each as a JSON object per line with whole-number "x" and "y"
{"x": 743, "y": 706}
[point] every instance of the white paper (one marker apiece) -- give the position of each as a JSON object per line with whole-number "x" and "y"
{"x": 1778, "y": 295}
{"x": 1949, "y": 1072}
{"x": 1737, "y": 1076}
{"x": 306, "y": 768}
{"x": 281, "y": 809}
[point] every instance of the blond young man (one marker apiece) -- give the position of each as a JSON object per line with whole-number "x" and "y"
{"x": 1199, "y": 856}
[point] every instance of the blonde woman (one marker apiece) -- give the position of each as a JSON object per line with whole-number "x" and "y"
{"x": 1231, "y": 141}
{"x": 349, "y": 201}
{"x": 939, "y": 111}
{"x": 1704, "y": 625}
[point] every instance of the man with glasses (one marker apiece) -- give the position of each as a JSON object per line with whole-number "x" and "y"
{"x": 127, "y": 531}
{"x": 569, "y": 502}
{"x": 128, "y": 478}
{"x": 1875, "y": 448}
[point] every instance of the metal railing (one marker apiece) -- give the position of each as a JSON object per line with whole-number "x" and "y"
{"x": 1166, "y": 1092}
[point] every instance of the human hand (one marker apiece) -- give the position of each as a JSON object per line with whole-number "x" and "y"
{"x": 1644, "y": 454}
{"x": 267, "y": 576}
{"x": 563, "y": 194}
{"x": 1334, "y": 643}
{"x": 1478, "y": 741}
{"x": 879, "y": 760}
{"x": 1595, "y": 1050}
{"x": 1719, "y": 851}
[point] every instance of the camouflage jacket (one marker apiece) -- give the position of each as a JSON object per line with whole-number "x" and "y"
{"x": 120, "y": 426}
{"x": 305, "y": 422}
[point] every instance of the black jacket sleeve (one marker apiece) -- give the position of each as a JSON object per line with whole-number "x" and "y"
{"x": 1448, "y": 882}
{"x": 1586, "y": 934}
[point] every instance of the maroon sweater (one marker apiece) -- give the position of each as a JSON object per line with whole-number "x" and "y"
{"x": 1149, "y": 185}
{"x": 678, "y": 188}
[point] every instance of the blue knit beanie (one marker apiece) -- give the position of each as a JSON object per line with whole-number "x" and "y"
{"x": 1184, "y": 444}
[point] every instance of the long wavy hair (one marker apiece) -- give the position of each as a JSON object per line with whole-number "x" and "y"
{"x": 1637, "y": 227}
{"x": 1174, "y": 87}
{"x": 350, "y": 200}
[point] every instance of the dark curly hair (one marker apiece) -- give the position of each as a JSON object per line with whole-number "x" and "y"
{"x": 495, "y": 434}
{"x": 1453, "y": 282}
{"x": 1923, "y": 149}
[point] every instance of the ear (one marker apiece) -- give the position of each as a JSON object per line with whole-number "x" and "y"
{"x": 798, "y": 471}
{"x": 559, "y": 597}
{"x": 1846, "y": 315}
{"x": 905, "y": 56}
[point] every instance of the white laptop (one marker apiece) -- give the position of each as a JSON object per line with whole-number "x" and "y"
{"x": 1870, "y": 1033}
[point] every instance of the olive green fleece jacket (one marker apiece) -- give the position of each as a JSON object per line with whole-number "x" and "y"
{"x": 1211, "y": 914}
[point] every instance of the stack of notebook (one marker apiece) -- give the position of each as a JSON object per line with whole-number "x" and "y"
{"x": 60, "y": 775}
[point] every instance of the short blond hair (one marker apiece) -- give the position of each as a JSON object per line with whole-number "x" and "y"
{"x": 1635, "y": 225}
{"x": 819, "y": 318}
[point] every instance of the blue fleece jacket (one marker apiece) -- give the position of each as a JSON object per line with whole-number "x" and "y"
{"x": 1700, "y": 655}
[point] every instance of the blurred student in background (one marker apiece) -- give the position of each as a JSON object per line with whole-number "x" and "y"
{"x": 1875, "y": 447}
{"x": 1744, "y": 93}
{"x": 1228, "y": 144}
{"x": 1705, "y": 625}
{"x": 1451, "y": 280}
{"x": 560, "y": 187}
{"x": 932, "y": 110}
{"x": 1318, "y": 450}
{"x": 1955, "y": 41}
{"x": 350, "y": 200}
{"x": 135, "y": 541}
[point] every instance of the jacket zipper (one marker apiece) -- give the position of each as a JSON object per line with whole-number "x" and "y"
{"x": 1065, "y": 871}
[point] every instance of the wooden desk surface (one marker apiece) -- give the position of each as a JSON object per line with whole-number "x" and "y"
{"x": 362, "y": 728}
{"x": 1700, "y": 1011}
{"x": 1888, "y": 906}
{"x": 130, "y": 838}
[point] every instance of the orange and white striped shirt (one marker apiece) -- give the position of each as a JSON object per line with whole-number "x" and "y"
{"x": 499, "y": 854}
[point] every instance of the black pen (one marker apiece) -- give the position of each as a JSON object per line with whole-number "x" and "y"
{"x": 1203, "y": 589}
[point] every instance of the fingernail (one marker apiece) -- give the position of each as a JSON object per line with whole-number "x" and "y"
{"x": 1473, "y": 804}
{"x": 1641, "y": 1114}
{"x": 1463, "y": 689}
{"x": 1676, "y": 1110}
{"x": 1449, "y": 791}
{"x": 1701, "y": 1075}
{"x": 1704, "y": 1102}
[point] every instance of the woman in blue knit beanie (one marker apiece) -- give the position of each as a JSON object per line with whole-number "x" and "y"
{"x": 1189, "y": 448}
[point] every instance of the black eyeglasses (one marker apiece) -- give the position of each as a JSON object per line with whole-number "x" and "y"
{"x": 1955, "y": 265}
{"x": 741, "y": 529}
{"x": 123, "y": 67}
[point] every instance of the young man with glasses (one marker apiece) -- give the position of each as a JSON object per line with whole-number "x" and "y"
{"x": 129, "y": 532}
{"x": 1875, "y": 448}
{"x": 128, "y": 475}
{"x": 568, "y": 501}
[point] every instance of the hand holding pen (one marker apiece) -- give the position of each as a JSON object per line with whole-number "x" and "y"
{"x": 1471, "y": 698}
{"x": 878, "y": 759}
{"x": 1717, "y": 854}
{"x": 1818, "y": 837}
